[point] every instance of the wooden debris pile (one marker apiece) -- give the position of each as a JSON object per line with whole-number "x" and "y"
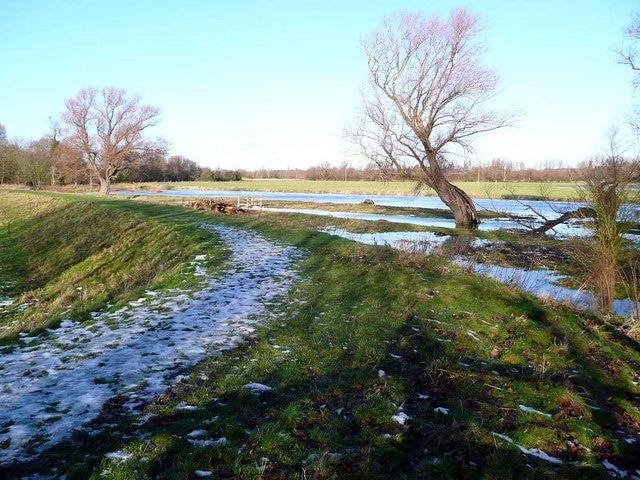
{"x": 214, "y": 205}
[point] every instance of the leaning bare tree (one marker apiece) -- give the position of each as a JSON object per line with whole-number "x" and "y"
{"x": 428, "y": 99}
{"x": 107, "y": 126}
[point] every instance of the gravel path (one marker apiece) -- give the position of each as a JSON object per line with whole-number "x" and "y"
{"x": 55, "y": 382}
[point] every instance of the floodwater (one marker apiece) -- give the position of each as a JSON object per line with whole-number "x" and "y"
{"x": 511, "y": 207}
{"x": 542, "y": 283}
{"x": 500, "y": 223}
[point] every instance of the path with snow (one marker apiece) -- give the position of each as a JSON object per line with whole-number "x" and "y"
{"x": 54, "y": 383}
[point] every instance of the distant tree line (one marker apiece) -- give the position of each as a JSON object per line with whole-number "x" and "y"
{"x": 40, "y": 163}
{"x": 50, "y": 161}
{"x": 497, "y": 170}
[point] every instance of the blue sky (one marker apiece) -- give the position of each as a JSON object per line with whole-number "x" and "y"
{"x": 251, "y": 84}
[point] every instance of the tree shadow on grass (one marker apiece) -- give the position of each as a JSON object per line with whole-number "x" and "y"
{"x": 370, "y": 357}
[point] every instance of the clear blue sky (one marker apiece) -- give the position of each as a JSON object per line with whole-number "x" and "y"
{"x": 273, "y": 83}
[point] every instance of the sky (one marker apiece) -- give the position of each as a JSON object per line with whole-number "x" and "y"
{"x": 273, "y": 83}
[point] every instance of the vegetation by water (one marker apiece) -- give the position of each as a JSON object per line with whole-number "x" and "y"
{"x": 381, "y": 364}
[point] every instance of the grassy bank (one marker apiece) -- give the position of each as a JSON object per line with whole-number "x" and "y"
{"x": 523, "y": 190}
{"x": 381, "y": 365}
{"x": 66, "y": 255}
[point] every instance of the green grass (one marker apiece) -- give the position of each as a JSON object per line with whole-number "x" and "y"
{"x": 431, "y": 328}
{"x": 65, "y": 256}
{"x": 524, "y": 190}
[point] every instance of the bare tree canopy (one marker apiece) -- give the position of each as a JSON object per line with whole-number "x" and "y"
{"x": 107, "y": 126}
{"x": 629, "y": 54}
{"x": 428, "y": 99}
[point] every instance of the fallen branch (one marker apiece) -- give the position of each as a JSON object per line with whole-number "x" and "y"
{"x": 582, "y": 212}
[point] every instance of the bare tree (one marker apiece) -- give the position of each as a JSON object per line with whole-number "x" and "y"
{"x": 107, "y": 126}
{"x": 629, "y": 54}
{"x": 608, "y": 190}
{"x": 428, "y": 100}
{"x": 36, "y": 162}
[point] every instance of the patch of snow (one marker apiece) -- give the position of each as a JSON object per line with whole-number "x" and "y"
{"x": 473, "y": 335}
{"x": 416, "y": 242}
{"x": 442, "y": 410}
{"x": 70, "y": 372}
{"x": 5, "y": 302}
{"x": 381, "y": 373}
{"x": 19, "y": 434}
{"x": 533, "y": 410}
{"x": 119, "y": 456}
{"x": 221, "y": 442}
{"x": 401, "y": 418}
{"x": 616, "y": 472}
{"x": 197, "y": 434}
{"x": 534, "y": 452}
{"x": 396, "y": 357}
{"x": 423, "y": 397}
{"x": 202, "y": 473}
{"x": 257, "y": 388}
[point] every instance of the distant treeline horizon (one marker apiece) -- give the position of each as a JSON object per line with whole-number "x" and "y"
{"x": 50, "y": 162}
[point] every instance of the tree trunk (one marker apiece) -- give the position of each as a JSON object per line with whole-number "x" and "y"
{"x": 105, "y": 186}
{"x": 463, "y": 208}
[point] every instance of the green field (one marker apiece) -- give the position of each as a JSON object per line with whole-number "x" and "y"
{"x": 488, "y": 377}
{"x": 550, "y": 191}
